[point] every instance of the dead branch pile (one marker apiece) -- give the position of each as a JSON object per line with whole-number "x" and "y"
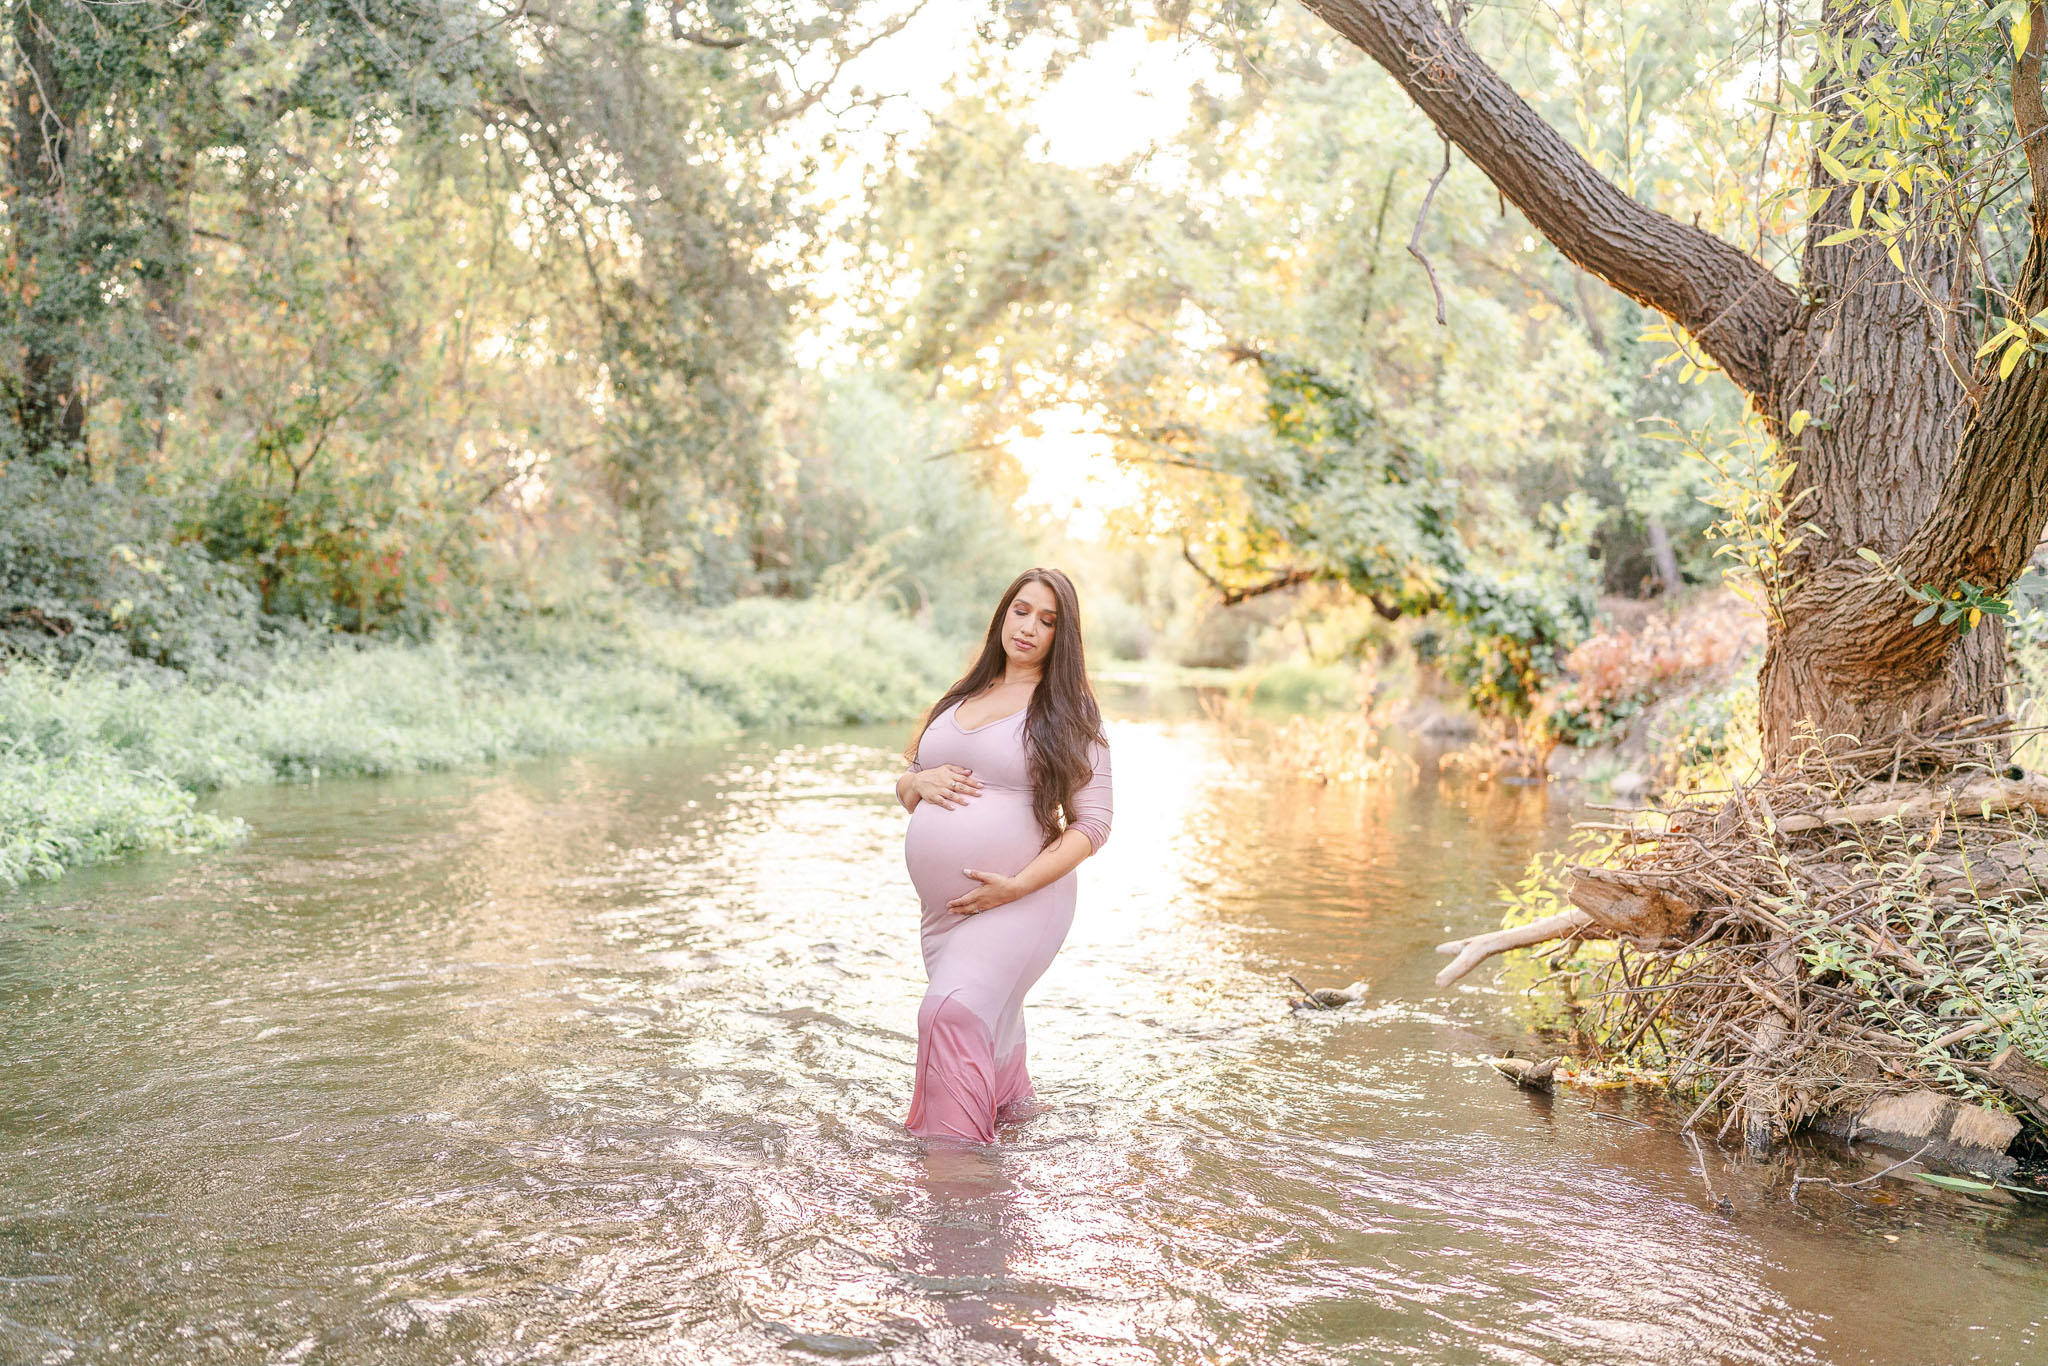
{"x": 1865, "y": 923}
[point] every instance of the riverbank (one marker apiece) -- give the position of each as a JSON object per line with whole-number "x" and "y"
{"x": 1849, "y": 941}
{"x": 98, "y": 763}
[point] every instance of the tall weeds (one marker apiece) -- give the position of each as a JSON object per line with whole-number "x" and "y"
{"x": 97, "y": 764}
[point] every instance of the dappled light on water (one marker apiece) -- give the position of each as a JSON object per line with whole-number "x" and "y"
{"x": 604, "y": 1060}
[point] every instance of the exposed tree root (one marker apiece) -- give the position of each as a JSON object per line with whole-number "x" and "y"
{"x": 1866, "y": 925}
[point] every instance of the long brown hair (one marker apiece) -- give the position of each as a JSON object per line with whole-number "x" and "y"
{"x": 1062, "y": 718}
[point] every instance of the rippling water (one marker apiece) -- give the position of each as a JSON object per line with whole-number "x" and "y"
{"x": 603, "y": 1060}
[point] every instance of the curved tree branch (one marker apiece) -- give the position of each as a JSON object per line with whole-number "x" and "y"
{"x": 1415, "y": 237}
{"x": 1735, "y": 308}
{"x": 1231, "y": 597}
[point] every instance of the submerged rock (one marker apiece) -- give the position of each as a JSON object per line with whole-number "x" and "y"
{"x": 1328, "y": 998}
{"x": 1524, "y": 1071}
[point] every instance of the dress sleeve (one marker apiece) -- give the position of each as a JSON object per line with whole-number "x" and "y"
{"x": 1090, "y": 810}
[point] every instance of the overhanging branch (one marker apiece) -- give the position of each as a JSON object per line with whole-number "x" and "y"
{"x": 1735, "y": 308}
{"x": 1231, "y": 597}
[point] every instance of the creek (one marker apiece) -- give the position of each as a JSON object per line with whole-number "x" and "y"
{"x": 603, "y": 1059}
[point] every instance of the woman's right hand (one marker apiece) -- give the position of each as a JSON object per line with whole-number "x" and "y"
{"x": 947, "y": 784}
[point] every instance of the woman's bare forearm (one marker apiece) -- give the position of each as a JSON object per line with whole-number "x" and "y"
{"x": 906, "y": 793}
{"x": 1055, "y": 861}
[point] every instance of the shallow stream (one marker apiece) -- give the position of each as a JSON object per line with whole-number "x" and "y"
{"x": 603, "y": 1060}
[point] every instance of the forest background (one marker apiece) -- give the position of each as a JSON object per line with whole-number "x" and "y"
{"x": 402, "y": 385}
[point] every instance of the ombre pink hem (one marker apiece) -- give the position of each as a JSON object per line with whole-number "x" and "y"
{"x": 961, "y": 1086}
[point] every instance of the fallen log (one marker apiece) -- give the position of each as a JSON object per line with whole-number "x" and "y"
{"x": 1979, "y": 796}
{"x": 1648, "y": 913}
{"x": 1953, "y": 1132}
{"x": 1612, "y": 903}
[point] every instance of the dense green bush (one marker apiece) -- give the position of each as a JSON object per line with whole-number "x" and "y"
{"x": 1502, "y": 638}
{"x": 91, "y": 569}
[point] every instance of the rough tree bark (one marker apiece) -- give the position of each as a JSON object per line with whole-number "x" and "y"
{"x": 1895, "y": 456}
{"x": 48, "y": 399}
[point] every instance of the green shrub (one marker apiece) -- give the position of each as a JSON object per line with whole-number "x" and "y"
{"x": 99, "y": 762}
{"x": 91, "y": 570}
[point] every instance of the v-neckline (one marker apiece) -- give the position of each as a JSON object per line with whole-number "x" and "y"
{"x": 970, "y": 730}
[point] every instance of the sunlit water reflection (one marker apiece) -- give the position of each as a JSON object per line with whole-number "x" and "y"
{"x": 604, "y": 1060}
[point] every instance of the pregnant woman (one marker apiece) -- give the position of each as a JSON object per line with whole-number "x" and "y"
{"x": 1008, "y": 790}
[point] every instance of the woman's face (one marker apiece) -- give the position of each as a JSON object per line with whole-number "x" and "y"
{"x": 1028, "y": 625}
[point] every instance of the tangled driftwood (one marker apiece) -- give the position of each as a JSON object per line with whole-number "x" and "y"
{"x": 1866, "y": 926}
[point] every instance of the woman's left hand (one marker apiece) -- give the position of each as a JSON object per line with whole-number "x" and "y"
{"x": 995, "y": 890}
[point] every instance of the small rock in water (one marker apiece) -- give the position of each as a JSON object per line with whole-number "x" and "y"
{"x": 1327, "y": 998}
{"x": 1522, "y": 1072}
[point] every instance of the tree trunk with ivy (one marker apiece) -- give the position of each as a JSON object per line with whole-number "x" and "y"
{"x": 47, "y": 398}
{"x": 1904, "y": 443}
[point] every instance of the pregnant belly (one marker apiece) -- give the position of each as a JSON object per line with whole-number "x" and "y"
{"x": 994, "y": 832}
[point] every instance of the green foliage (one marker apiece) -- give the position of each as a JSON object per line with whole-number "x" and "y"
{"x": 867, "y": 478}
{"x": 1911, "y": 114}
{"x": 1367, "y": 511}
{"x": 2017, "y": 339}
{"x": 1238, "y": 316}
{"x": 1758, "y": 531}
{"x": 1973, "y": 959}
{"x": 1964, "y": 603}
{"x": 91, "y": 570}
{"x": 346, "y": 548}
{"x": 87, "y": 808}
{"x": 367, "y": 292}
{"x": 1511, "y": 637}
{"x": 122, "y": 109}
{"x": 96, "y": 763}
{"x": 1637, "y": 480}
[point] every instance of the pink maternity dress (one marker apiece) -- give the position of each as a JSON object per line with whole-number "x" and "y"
{"x": 970, "y": 1027}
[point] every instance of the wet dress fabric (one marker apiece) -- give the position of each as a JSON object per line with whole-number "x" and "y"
{"x": 970, "y": 1026}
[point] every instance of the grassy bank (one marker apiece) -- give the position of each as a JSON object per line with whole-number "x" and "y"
{"x": 95, "y": 764}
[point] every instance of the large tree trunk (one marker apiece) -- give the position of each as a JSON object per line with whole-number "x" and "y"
{"x": 48, "y": 397}
{"x": 1886, "y": 414}
{"x": 1901, "y": 451}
